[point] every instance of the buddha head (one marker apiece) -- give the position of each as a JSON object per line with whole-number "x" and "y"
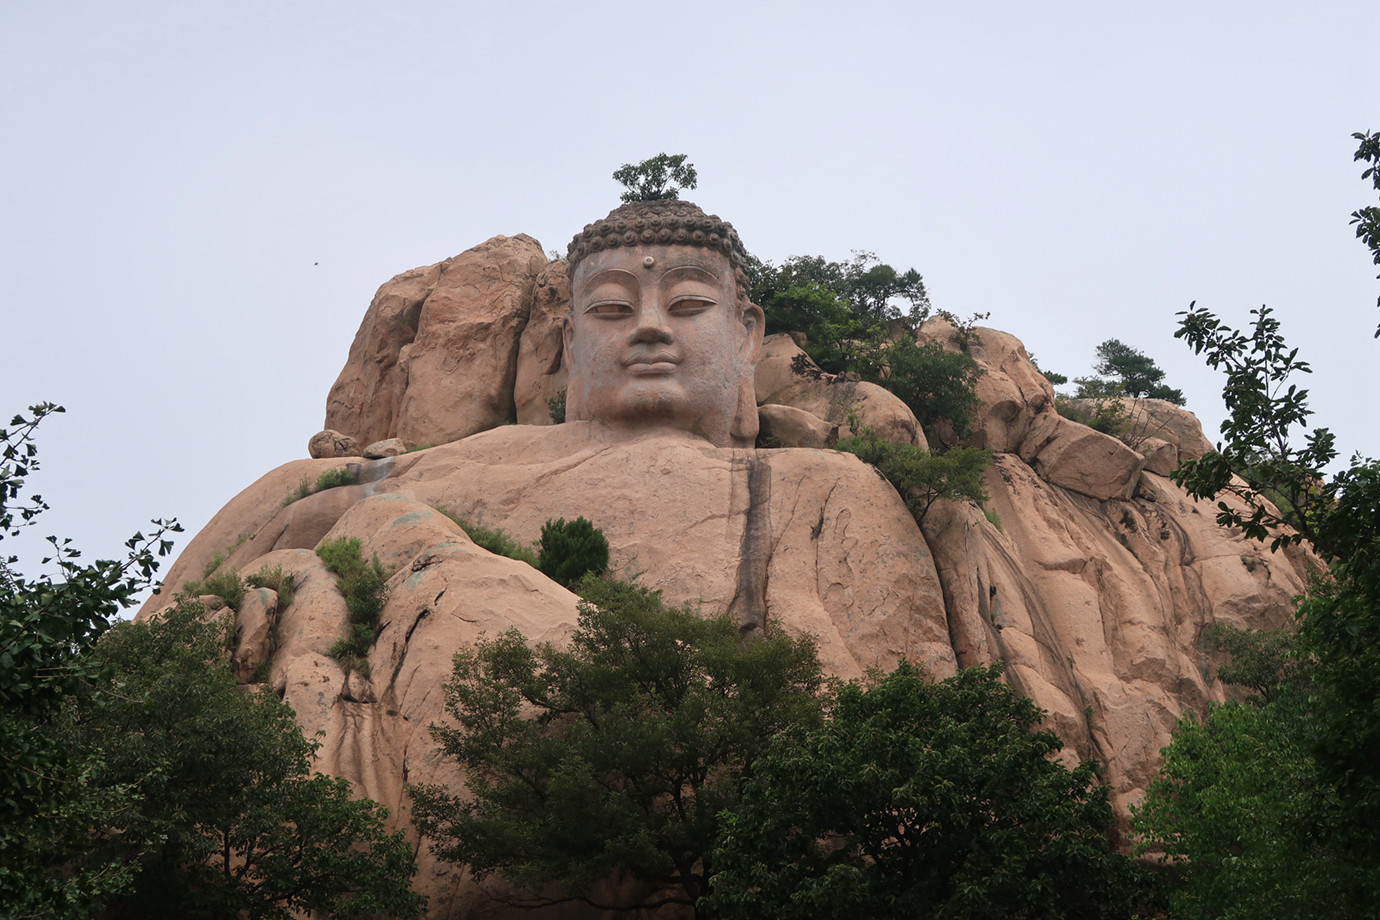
{"x": 661, "y": 333}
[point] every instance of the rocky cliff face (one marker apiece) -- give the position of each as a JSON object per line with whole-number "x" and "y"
{"x": 1092, "y": 577}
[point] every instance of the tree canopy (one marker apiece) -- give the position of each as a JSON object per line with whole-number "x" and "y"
{"x": 655, "y": 178}
{"x": 921, "y": 798}
{"x": 1126, "y": 371}
{"x": 613, "y": 757}
{"x": 48, "y": 624}
{"x": 224, "y": 815}
{"x": 1274, "y": 804}
{"x": 137, "y": 780}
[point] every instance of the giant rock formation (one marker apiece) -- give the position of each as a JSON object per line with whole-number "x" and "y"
{"x": 1092, "y": 579}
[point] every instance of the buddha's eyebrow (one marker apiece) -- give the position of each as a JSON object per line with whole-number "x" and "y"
{"x": 615, "y": 275}
{"x": 694, "y": 272}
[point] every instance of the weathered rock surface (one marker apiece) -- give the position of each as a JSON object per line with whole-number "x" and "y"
{"x": 436, "y": 356}
{"x": 1012, "y": 390}
{"x": 830, "y": 398}
{"x": 787, "y": 426}
{"x": 541, "y": 375}
{"x": 1065, "y": 453}
{"x": 330, "y": 443}
{"x": 1091, "y": 576}
{"x": 390, "y": 447}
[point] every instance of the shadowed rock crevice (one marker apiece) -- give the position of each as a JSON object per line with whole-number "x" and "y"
{"x": 749, "y": 602}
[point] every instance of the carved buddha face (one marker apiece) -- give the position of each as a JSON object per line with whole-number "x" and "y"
{"x": 658, "y": 338}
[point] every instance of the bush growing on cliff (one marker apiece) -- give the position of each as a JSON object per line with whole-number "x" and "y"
{"x": 613, "y": 757}
{"x": 570, "y": 550}
{"x": 919, "y": 475}
{"x": 921, "y": 798}
{"x": 364, "y": 586}
{"x": 851, "y": 314}
{"x": 223, "y": 816}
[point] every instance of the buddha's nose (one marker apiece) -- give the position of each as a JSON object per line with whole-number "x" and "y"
{"x": 652, "y": 324}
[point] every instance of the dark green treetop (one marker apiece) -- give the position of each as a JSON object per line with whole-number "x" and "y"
{"x": 661, "y": 176}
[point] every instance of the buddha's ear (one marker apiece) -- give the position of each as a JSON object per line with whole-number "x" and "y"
{"x": 755, "y": 324}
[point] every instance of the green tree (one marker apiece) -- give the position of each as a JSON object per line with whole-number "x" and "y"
{"x": 224, "y": 815}
{"x": 919, "y": 798}
{"x": 614, "y": 757}
{"x": 938, "y": 385}
{"x": 1315, "y": 832}
{"x": 656, "y": 178}
{"x": 851, "y": 315}
{"x": 1126, "y": 372}
{"x": 569, "y": 550}
{"x": 48, "y": 623}
{"x": 1367, "y": 219}
{"x": 920, "y": 475}
{"x": 1230, "y": 807}
{"x": 864, "y": 286}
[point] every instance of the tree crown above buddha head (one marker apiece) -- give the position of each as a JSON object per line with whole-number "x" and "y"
{"x": 661, "y": 333}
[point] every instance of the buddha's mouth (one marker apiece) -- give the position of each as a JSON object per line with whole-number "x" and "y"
{"x": 647, "y": 364}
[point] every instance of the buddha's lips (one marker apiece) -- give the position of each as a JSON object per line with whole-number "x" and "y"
{"x": 656, "y": 362}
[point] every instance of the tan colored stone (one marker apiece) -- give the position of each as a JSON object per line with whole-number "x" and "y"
{"x": 1157, "y": 418}
{"x": 1080, "y": 459}
{"x": 541, "y": 375}
{"x": 462, "y": 364}
{"x": 1012, "y": 389}
{"x": 787, "y": 426}
{"x": 256, "y": 617}
{"x": 436, "y": 356}
{"x": 365, "y": 399}
{"x": 829, "y": 397}
{"x": 1161, "y": 457}
{"x": 391, "y": 447}
{"x": 328, "y": 444}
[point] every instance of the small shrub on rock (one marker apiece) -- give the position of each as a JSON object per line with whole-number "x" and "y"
{"x": 568, "y": 550}
{"x": 364, "y": 586}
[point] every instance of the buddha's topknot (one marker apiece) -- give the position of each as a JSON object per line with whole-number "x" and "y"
{"x": 666, "y": 221}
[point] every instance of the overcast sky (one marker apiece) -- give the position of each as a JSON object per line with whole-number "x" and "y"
{"x": 198, "y": 200}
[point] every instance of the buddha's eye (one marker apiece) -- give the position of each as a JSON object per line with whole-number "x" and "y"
{"x": 690, "y": 304}
{"x": 610, "y": 308}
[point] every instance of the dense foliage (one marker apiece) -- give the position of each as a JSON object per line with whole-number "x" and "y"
{"x": 1274, "y": 805}
{"x": 137, "y": 780}
{"x": 851, "y": 315}
{"x": 224, "y": 815}
{"x": 920, "y": 475}
{"x": 614, "y": 756}
{"x": 659, "y": 177}
{"x": 918, "y": 798}
{"x": 570, "y": 550}
{"x": 48, "y": 623}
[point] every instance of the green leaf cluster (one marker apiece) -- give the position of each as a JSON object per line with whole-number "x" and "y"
{"x": 614, "y": 756}
{"x": 222, "y": 815}
{"x": 1126, "y": 371}
{"x": 48, "y": 624}
{"x": 1367, "y": 219}
{"x": 918, "y": 798}
{"x": 656, "y": 178}
{"x": 364, "y": 586}
{"x": 921, "y": 476}
{"x": 570, "y": 550}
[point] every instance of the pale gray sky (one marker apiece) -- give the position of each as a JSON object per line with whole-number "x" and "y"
{"x": 198, "y": 200}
